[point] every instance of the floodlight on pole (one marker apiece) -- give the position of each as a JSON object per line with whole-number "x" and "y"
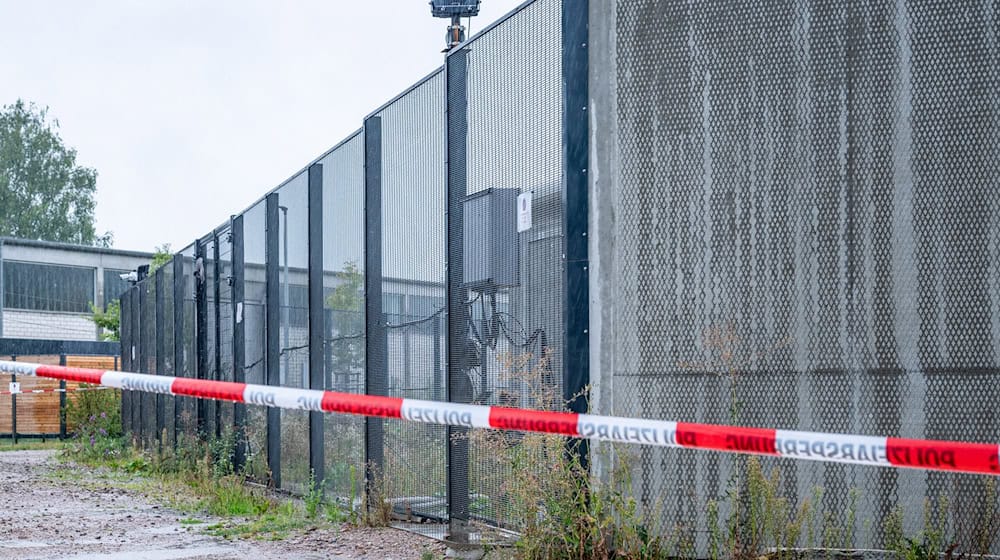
{"x": 454, "y": 10}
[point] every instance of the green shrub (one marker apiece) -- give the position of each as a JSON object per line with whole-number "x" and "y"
{"x": 95, "y": 409}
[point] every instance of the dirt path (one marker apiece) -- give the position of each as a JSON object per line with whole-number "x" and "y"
{"x": 42, "y": 516}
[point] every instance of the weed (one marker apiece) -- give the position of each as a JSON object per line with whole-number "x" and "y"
{"x": 354, "y": 495}
{"x": 561, "y": 512}
{"x": 314, "y": 496}
{"x": 928, "y": 544}
{"x": 335, "y": 514}
{"x": 376, "y": 509}
{"x": 229, "y": 496}
{"x": 274, "y": 524}
{"x": 94, "y": 412}
{"x": 988, "y": 529}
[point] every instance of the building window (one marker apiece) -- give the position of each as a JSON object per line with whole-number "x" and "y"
{"x": 47, "y": 287}
{"x": 425, "y": 306}
{"x": 114, "y": 286}
{"x": 392, "y": 304}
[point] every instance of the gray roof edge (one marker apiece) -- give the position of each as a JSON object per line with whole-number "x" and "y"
{"x": 72, "y": 247}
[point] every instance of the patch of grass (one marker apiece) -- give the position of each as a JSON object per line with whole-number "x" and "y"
{"x": 336, "y": 514}
{"x": 198, "y": 478}
{"x": 228, "y": 496}
{"x": 30, "y": 445}
{"x": 273, "y": 525}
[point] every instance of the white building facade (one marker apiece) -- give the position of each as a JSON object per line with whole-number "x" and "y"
{"x": 48, "y": 288}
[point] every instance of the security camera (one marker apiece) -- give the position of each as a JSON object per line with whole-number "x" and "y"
{"x": 129, "y": 277}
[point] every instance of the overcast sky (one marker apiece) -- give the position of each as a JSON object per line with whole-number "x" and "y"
{"x": 191, "y": 110}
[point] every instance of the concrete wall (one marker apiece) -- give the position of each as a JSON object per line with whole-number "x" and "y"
{"x": 23, "y": 323}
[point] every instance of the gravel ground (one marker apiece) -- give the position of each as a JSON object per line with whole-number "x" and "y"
{"x": 42, "y": 516}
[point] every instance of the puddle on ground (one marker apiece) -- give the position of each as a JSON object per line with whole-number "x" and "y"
{"x": 23, "y": 544}
{"x": 163, "y": 554}
{"x": 162, "y": 530}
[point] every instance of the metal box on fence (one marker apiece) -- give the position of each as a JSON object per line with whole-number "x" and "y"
{"x": 491, "y": 249}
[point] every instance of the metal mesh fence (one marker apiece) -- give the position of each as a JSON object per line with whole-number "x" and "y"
{"x": 134, "y": 398}
{"x": 251, "y": 312}
{"x": 147, "y": 360}
{"x": 802, "y": 234}
{"x": 511, "y": 309}
{"x": 127, "y": 338}
{"x": 512, "y": 277}
{"x": 412, "y": 176}
{"x": 212, "y": 423}
{"x": 186, "y": 409}
{"x": 343, "y": 303}
{"x": 225, "y": 328}
{"x": 293, "y": 262}
{"x": 167, "y": 419}
{"x": 805, "y": 239}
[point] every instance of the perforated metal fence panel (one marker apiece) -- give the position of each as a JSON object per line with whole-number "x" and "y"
{"x": 805, "y": 237}
{"x": 135, "y": 398}
{"x": 167, "y": 418}
{"x": 225, "y": 329}
{"x": 147, "y": 360}
{"x": 412, "y": 245}
{"x": 183, "y": 349}
{"x": 343, "y": 305}
{"x": 293, "y": 264}
{"x": 126, "y": 337}
{"x": 211, "y": 355}
{"x": 512, "y": 277}
{"x": 251, "y": 312}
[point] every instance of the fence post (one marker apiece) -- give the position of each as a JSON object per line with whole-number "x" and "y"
{"x": 376, "y": 342}
{"x": 177, "y": 316}
{"x": 575, "y": 152}
{"x": 147, "y": 400}
{"x": 125, "y": 342}
{"x": 317, "y": 327}
{"x": 272, "y": 330}
{"x": 239, "y": 343}
{"x": 217, "y": 294}
{"x": 161, "y": 352}
{"x": 62, "y": 401}
{"x": 459, "y": 387}
{"x": 136, "y": 397}
{"x": 13, "y": 412}
{"x": 200, "y": 328}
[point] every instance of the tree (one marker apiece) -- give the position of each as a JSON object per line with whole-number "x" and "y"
{"x": 346, "y": 304}
{"x": 108, "y": 321}
{"x": 161, "y": 256}
{"x": 44, "y": 194}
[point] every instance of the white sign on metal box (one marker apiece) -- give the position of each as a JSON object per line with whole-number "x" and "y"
{"x": 524, "y": 211}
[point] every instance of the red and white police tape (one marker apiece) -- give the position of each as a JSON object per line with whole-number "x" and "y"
{"x": 954, "y": 456}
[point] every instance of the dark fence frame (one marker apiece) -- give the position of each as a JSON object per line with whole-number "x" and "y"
{"x": 239, "y": 341}
{"x": 376, "y": 339}
{"x": 272, "y": 322}
{"x": 456, "y": 386}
